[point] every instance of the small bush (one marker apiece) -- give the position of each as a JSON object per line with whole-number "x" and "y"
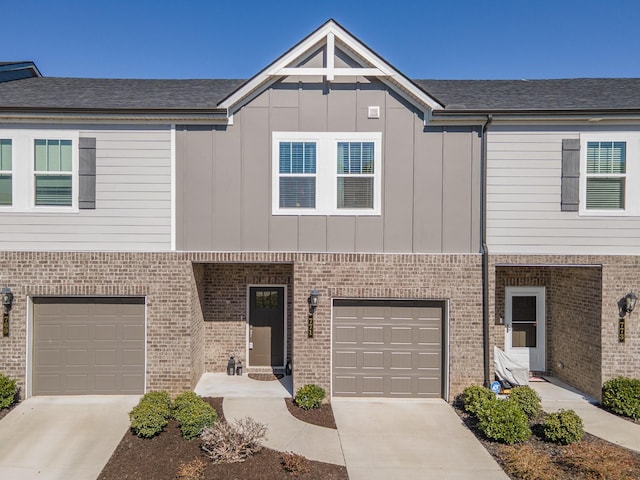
{"x": 193, "y": 414}
{"x": 194, "y": 470}
{"x": 230, "y": 443}
{"x": 309, "y": 397}
{"x": 504, "y": 422}
{"x": 621, "y": 395}
{"x": 563, "y": 427}
{"x": 8, "y": 391}
{"x": 294, "y": 464}
{"x": 527, "y": 399}
{"x": 151, "y": 414}
{"x": 527, "y": 463}
{"x": 602, "y": 461}
{"x": 474, "y": 396}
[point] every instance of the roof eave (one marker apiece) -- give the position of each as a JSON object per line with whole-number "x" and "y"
{"x": 115, "y": 114}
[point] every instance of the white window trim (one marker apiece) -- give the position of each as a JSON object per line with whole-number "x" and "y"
{"x": 632, "y": 177}
{"x": 23, "y": 164}
{"x": 326, "y": 172}
{"x": 9, "y": 172}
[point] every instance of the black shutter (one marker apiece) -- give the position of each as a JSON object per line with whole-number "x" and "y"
{"x": 570, "y": 196}
{"x": 87, "y": 174}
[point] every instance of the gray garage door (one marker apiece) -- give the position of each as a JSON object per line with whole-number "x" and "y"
{"x": 88, "y": 346}
{"x": 387, "y": 348}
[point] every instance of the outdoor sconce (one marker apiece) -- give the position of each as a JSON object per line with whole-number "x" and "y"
{"x": 627, "y": 304}
{"x": 7, "y": 298}
{"x": 625, "y": 307}
{"x": 7, "y": 303}
{"x": 313, "y": 301}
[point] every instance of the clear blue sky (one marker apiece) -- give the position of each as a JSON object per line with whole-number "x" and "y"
{"x": 451, "y": 39}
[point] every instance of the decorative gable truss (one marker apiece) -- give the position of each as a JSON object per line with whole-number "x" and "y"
{"x": 332, "y": 53}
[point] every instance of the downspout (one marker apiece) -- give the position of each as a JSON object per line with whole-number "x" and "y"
{"x": 485, "y": 251}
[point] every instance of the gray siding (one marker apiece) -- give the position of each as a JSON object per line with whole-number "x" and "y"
{"x": 133, "y": 197}
{"x": 524, "y": 198}
{"x": 430, "y": 177}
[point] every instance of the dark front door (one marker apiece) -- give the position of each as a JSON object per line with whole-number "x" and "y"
{"x": 266, "y": 326}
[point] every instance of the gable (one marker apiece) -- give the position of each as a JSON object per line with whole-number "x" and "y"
{"x": 335, "y": 56}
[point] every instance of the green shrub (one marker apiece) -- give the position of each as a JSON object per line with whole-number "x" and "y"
{"x": 309, "y": 397}
{"x": 474, "y": 396}
{"x": 8, "y": 391}
{"x": 563, "y": 427}
{"x": 193, "y": 414}
{"x": 621, "y": 395}
{"x": 504, "y": 422}
{"x": 151, "y": 414}
{"x": 527, "y": 399}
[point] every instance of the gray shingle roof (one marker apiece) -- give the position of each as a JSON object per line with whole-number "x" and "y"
{"x": 483, "y": 95}
{"x": 92, "y": 93}
{"x": 561, "y": 94}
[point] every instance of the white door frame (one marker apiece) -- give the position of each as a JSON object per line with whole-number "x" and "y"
{"x": 246, "y": 350}
{"x": 533, "y": 359}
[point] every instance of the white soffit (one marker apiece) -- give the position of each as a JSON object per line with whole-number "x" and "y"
{"x": 330, "y": 36}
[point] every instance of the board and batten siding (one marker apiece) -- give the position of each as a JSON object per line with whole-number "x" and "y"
{"x": 430, "y": 177}
{"x": 524, "y": 216}
{"x": 133, "y": 197}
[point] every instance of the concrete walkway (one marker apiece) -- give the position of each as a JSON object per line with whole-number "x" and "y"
{"x": 264, "y": 402}
{"x": 396, "y": 439}
{"x": 62, "y": 438}
{"x": 556, "y": 395}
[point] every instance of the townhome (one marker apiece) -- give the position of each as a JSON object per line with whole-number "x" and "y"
{"x": 377, "y": 235}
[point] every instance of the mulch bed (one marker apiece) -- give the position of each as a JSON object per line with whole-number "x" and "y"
{"x": 5, "y": 411}
{"x": 160, "y": 457}
{"x": 322, "y": 416}
{"x": 546, "y": 460}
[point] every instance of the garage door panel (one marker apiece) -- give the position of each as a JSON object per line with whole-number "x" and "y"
{"x": 345, "y": 334}
{"x": 133, "y": 332}
{"x": 372, "y": 385}
{"x": 430, "y": 360}
{"x": 87, "y": 345}
{"x": 401, "y": 335}
{"x": 394, "y": 348}
{"x": 373, "y": 335}
{"x": 372, "y": 360}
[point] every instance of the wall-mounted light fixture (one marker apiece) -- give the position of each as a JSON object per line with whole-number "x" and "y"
{"x": 313, "y": 300}
{"x": 627, "y": 303}
{"x": 7, "y": 302}
{"x": 7, "y": 298}
{"x": 625, "y": 306}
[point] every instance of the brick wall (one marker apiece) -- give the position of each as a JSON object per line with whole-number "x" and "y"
{"x": 196, "y": 313}
{"x": 584, "y": 348}
{"x": 572, "y": 317}
{"x": 164, "y": 279}
{"x": 453, "y": 277}
{"x": 197, "y": 323}
{"x": 225, "y": 307}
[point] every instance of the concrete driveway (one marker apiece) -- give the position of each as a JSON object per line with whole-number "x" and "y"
{"x": 403, "y": 439}
{"x": 70, "y": 438}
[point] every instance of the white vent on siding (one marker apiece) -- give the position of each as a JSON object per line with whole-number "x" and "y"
{"x": 373, "y": 111}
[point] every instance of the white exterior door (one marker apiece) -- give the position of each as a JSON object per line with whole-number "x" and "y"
{"x": 525, "y": 326}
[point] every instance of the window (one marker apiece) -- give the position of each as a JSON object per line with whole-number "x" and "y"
{"x": 6, "y": 172}
{"x": 355, "y": 174}
{"x": 326, "y": 173}
{"x": 606, "y": 175}
{"x": 297, "y": 175}
{"x": 610, "y": 174}
{"x": 53, "y": 171}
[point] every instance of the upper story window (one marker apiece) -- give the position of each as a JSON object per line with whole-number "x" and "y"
{"x": 327, "y": 173}
{"x": 606, "y": 175}
{"x": 297, "y": 164}
{"x": 39, "y": 170}
{"x": 6, "y": 172}
{"x": 610, "y": 171}
{"x": 53, "y": 171}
